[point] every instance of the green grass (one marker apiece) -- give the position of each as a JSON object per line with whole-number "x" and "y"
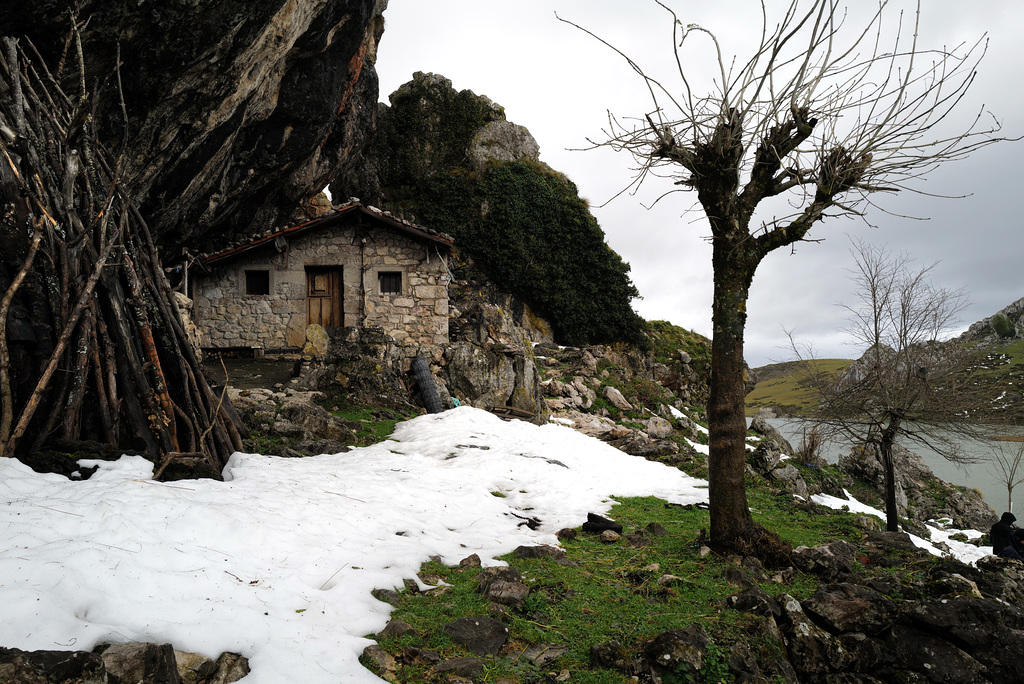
{"x": 371, "y": 425}
{"x": 786, "y": 386}
{"x": 613, "y": 593}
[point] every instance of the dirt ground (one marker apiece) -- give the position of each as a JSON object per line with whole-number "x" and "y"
{"x": 249, "y": 373}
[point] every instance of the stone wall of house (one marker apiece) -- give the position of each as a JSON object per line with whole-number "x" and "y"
{"x": 417, "y": 316}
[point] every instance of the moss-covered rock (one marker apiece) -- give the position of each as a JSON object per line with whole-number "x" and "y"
{"x": 1003, "y": 326}
{"x": 452, "y": 159}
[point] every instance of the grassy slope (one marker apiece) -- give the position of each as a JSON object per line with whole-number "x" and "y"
{"x": 1000, "y": 372}
{"x": 784, "y": 386}
{"x": 1000, "y": 368}
{"x": 613, "y": 593}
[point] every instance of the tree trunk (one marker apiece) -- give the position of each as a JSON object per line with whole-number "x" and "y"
{"x": 727, "y": 495}
{"x": 892, "y": 522}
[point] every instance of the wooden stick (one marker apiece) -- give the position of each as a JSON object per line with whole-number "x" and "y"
{"x": 6, "y": 396}
{"x": 7, "y": 448}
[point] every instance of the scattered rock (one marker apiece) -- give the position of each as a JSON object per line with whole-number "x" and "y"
{"x": 387, "y": 596}
{"x": 496, "y": 573}
{"x": 395, "y": 629}
{"x": 384, "y": 663}
{"x": 542, "y": 654}
{"x": 544, "y": 551}
{"x": 658, "y": 428}
{"x": 194, "y": 668}
{"x": 469, "y": 668}
{"x": 610, "y": 654}
{"x": 617, "y": 400}
{"x": 636, "y": 541}
{"x": 656, "y": 530}
{"x": 507, "y": 593}
{"x": 479, "y": 635}
{"x": 597, "y": 523}
{"x": 754, "y": 600}
{"x": 420, "y": 656}
{"x": 471, "y": 561}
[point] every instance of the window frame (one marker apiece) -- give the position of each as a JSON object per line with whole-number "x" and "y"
{"x": 251, "y": 277}
{"x": 390, "y": 275}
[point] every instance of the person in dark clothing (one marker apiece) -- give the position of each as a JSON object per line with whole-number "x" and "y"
{"x": 1004, "y": 541}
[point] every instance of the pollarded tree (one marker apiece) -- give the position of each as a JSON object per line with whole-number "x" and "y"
{"x": 820, "y": 113}
{"x": 908, "y": 385}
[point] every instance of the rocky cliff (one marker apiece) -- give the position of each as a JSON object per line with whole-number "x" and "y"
{"x": 233, "y": 112}
{"x": 453, "y": 162}
{"x": 1004, "y": 326}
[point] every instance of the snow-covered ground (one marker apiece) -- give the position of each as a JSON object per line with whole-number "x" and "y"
{"x": 277, "y": 563}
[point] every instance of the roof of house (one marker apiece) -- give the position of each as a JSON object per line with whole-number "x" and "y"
{"x": 345, "y": 214}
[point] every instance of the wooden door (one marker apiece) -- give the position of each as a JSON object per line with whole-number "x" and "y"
{"x": 323, "y": 297}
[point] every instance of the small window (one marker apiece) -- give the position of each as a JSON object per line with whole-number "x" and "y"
{"x": 390, "y": 282}
{"x": 257, "y": 282}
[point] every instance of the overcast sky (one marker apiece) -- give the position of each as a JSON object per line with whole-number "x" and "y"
{"x": 559, "y": 83}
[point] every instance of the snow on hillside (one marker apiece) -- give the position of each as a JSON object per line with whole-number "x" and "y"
{"x": 278, "y": 562}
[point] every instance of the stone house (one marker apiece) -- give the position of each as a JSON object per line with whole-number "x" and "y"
{"x": 354, "y": 266}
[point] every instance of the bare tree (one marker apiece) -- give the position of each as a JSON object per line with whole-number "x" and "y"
{"x": 1007, "y": 463}
{"x": 908, "y": 384}
{"x": 820, "y": 113}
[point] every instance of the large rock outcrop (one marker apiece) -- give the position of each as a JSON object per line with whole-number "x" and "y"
{"x": 453, "y": 160}
{"x": 236, "y": 111}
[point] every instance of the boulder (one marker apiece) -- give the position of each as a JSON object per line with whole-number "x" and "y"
{"x": 658, "y": 428}
{"x": 617, "y": 400}
{"x": 829, "y": 561}
{"x": 51, "y": 667}
{"x": 937, "y": 659}
{"x": 678, "y": 651}
{"x": 317, "y": 341}
{"x": 851, "y": 608}
{"x": 813, "y": 651}
{"x": 484, "y": 378}
{"x": 761, "y": 426}
{"x": 141, "y": 663}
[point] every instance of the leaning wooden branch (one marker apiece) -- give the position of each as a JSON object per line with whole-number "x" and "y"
{"x": 44, "y": 381}
{"x": 6, "y": 396}
{"x": 206, "y": 433}
{"x": 105, "y": 355}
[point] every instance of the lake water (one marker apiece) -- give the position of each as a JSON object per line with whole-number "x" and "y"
{"x": 983, "y": 476}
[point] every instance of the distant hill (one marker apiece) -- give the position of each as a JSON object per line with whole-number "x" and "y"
{"x": 783, "y": 387}
{"x": 998, "y": 373}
